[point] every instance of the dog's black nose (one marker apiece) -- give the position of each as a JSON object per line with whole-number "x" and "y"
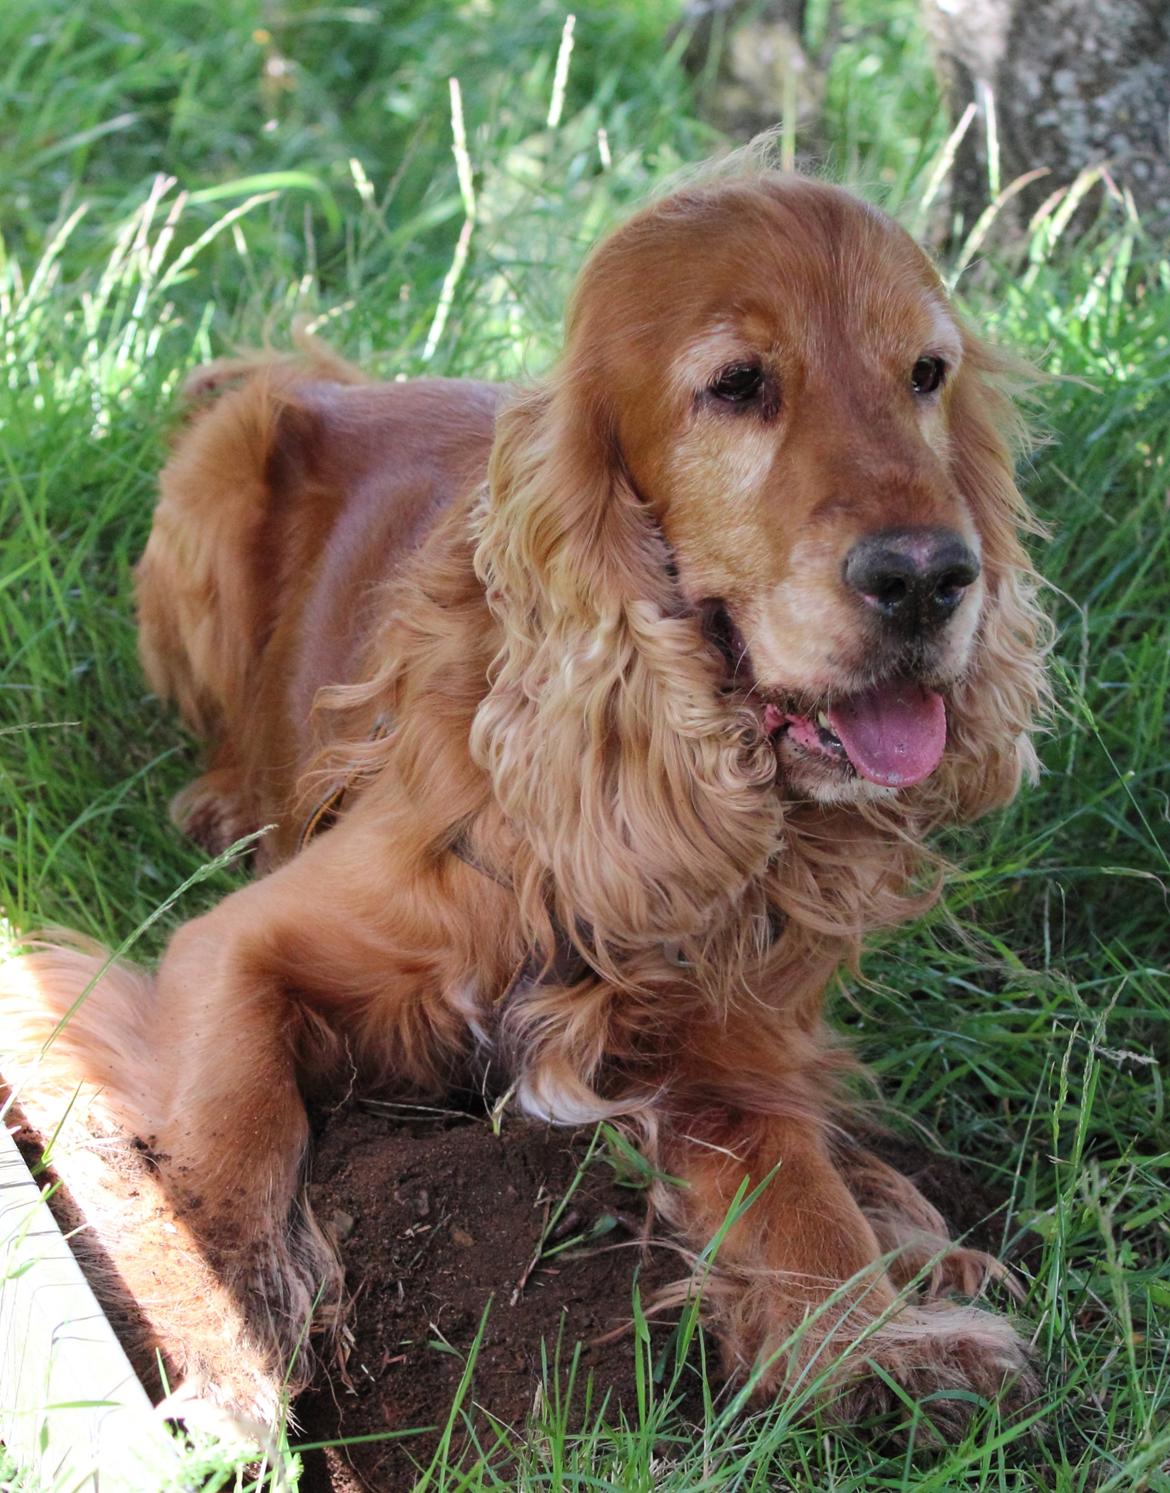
{"x": 915, "y": 577}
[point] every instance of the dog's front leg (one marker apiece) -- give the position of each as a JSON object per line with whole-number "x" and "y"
{"x": 334, "y": 966}
{"x": 331, "y": 969}
{"x": 228, "y": 1127}
{"x": 797, "y": 1288}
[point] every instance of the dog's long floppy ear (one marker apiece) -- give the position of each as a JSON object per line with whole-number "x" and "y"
{"x": 645, "y": 806}
{"x": 995, "y": 707}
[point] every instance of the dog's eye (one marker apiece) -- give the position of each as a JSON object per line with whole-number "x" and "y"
{"x": 737, "y": 383}
{"x": 927, "y": 375}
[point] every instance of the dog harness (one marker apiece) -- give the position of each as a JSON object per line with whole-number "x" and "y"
{"x": 567, "y": 966}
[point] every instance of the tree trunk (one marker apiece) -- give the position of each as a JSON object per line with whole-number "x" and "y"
{"x": 1058, "y": 86}
{"x": 753, "y": 68}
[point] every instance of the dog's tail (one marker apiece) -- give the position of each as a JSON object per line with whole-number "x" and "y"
{"x": 72, "y": 1017}
{"x": 83, "y": 1068}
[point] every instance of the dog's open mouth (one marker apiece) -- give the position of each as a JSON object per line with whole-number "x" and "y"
{"x": 892, "y": 734}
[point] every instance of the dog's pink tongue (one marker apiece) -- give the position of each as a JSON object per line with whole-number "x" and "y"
{"x": 894, "y": 734}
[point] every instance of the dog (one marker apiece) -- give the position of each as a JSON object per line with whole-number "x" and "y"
{"x": 590, "y": 725}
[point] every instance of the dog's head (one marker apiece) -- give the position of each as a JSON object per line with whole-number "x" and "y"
{"x": 770, "y": 426}
{"x": 797, "y": 404}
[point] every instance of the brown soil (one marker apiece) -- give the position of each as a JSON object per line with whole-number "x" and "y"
{"x": 440, "y": 1222}
{"x": 441, "y": 1219}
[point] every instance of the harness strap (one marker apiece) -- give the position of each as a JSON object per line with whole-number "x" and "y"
{"x": 323, "y": 816}
{"x": 328, "y": 811}
{"x": 566, "y": 967}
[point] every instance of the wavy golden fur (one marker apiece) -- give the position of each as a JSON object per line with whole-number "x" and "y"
{"x": 566, "y": 651}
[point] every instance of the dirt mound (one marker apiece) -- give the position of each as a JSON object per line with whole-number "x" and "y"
{"x": 442, "y": 1223}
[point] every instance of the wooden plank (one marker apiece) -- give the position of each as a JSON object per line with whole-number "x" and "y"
{"x": 71, "y": 1407}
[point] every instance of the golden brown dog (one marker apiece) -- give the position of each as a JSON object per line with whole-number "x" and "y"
{"x": 598, "y": 722}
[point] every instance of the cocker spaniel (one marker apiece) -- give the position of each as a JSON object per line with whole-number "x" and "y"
{"x": 596, "y": 722}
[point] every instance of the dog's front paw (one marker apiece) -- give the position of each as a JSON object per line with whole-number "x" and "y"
{"x": 930, "y": 1266}
{"x": 921, "y": 1372}
{"x": 279, "y": 1286}
{"x": 928, "y": 1370}
{"x": 968, "y": 1272}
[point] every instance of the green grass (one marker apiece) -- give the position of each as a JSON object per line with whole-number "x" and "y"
{"x": 181, "y": 178}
